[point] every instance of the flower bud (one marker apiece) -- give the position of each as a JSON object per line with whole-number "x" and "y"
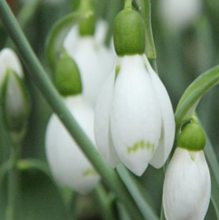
{"x": 129, "y": 33}
{"x": 192, "y": 137}
{"x": 15, "y": 103}
{"x": 67, "y": 77}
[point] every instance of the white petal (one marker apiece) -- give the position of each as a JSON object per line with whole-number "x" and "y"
{"x": 68, "y": 164}
{"x": 95, "y": 62}
{"x": 71, "y": 41}
{"x": 8, "y": 59}
{"x": 187, "y": 186}
{"x": 135, "y": 116}
{"x": 102, "y": 123}
{"x": 168, "y": 122}
{"x": 101, "y": 31}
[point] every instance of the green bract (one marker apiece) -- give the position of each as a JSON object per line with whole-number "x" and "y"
{"x": 192, "y": 137}
{"x": 67, "y": 77}
{"x": 129, "y": 33}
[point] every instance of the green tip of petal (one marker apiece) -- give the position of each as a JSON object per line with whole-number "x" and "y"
{"x": 67, "y": 77}
{"x": 192, "y": 137}
{"x": 142, "y": 145}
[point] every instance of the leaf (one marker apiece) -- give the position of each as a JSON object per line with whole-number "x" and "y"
{"x": 194, "y": 93}
{"x": 214, "y": 170}
{"x": 58, "y": 33}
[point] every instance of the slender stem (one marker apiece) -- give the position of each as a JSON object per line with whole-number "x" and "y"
{"x": 40, "y": 78}
{"x": 128, "y": 3}
{"x": 13, "y": 184}
{"x": 150, "y": 47}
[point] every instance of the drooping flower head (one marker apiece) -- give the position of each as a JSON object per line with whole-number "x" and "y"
{"x": 68, "y": 164}
{"x": 134, "y": 122}
{"x": 14, "y": 95}
{"x": 187, "y": 184}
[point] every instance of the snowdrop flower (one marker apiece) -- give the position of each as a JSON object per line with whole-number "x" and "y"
{"x": 186, "y": 191}
{"x": 187, "y": 184}
{"x": 14, "y": 96}
{"x": 134, "y": 121}
{"x": 68, "y": 164}
{"x": 181, "y": 13}
{"x": 93, "y": 58}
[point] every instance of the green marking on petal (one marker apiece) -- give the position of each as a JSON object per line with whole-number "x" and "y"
{"x": 117, "y": 71}
{"x": 89, "y": 172}
{"x": 141, "y": 146}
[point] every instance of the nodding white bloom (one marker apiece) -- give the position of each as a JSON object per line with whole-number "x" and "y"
{"x": 134, "y": 120}
{"x": 15, "y": 99}
{"x": 68, "y": 164}
{"x": 187, "y": 186}
{"x": 93, "y": 59}
{"x": 179, "y": 14}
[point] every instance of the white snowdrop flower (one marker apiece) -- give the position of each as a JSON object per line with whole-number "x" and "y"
{"x": 134, "y": 120}
{"x": 93, "y": 59}
{"x": 177, "y": 14}
{"x": 187, "y": 186}
{"x": 14, "y": 94}
{"x": 68, "y": 164}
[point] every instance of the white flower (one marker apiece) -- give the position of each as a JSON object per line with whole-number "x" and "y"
{"x": 187, "y": 186}
{"x": 68, "y": 164}
{"x": 134, "y": 121}
{"x": 15, "y": 101}
{"x": 178, "y": 14}
{"x": 93, "y": 58}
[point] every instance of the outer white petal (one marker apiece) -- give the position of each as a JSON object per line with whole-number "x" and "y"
{"x": 8, "y": 59}
{"x": 68, "y": 164}
{"x": 71, "y": 41}
{"x": 168, "y": 122}
{"x": 101, "y": 31}
{"x": 187, "y": 186}
{"x": 135, "y": 115}
{"x": 102, "y": 123}
{"x": 94, "y": 62}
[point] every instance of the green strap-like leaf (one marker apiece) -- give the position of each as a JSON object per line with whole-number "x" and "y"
{"x": 214, "y": 170}
{"x": 194, "y": 93}
{"x": 57, "y": 34}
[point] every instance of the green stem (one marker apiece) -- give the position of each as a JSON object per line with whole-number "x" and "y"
{"x": 128, "y": 3}
{"x": 40, "y": 78}
{"x": 150, "y": 47}
{"x": 13, "y": 184}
